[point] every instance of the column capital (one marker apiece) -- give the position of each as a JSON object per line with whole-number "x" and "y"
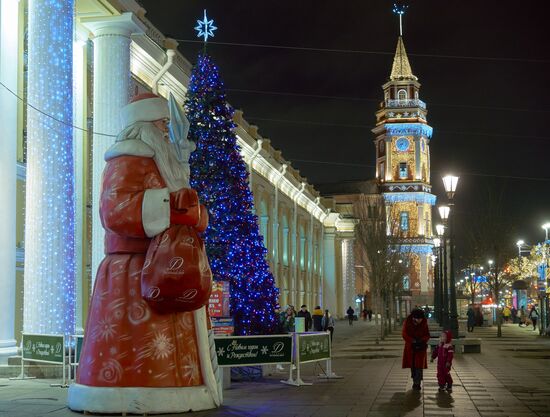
{"x": 125, "y": 24}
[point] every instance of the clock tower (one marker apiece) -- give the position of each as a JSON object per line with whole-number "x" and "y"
{"x": 402, "y": 140}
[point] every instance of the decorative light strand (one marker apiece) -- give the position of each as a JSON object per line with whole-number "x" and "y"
{"x": 234, "y": 244}
{"x": 49, "y": 304}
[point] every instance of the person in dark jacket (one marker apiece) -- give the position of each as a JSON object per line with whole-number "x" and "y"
{"x": 350, "y": 314}
{"x": 471, "y": 319}
{"x": 416, "y": 335}
{"x": 306, "y": 315}
{"x": 317, "y": 318}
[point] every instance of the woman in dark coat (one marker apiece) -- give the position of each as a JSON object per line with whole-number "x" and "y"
{"x": 416, "y": 335}
{"x": 471, "y": 318}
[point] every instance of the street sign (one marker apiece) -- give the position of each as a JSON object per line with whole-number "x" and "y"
{"x": 43, "y": 348}
{"x": 313, "y": 347}
{"x": 253, "y": 350}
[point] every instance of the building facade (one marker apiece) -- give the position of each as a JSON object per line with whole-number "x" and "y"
{"x": 112, "y": 51}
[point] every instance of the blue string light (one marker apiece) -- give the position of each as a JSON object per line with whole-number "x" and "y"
{"x": 49, "y": 303}
{"x": 234, "y": 245}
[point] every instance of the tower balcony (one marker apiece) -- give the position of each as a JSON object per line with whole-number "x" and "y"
{"x": 412, "y": 102}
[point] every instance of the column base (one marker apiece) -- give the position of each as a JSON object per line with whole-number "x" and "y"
{"x": 8, "y": 348}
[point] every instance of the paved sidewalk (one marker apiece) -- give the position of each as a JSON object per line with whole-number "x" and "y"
{"x": 510, "y": 378}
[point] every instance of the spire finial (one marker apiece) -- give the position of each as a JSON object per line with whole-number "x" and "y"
{"x": 399, "y": 9}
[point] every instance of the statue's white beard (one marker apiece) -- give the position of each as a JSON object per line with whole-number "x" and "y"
{"x": 174, "y": 173}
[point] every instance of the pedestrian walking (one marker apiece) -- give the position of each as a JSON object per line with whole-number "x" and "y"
{"x": 317, "y": 317}
{"x": 471, "y": 318}
{"x": 514, "y": 312}
{"x": 506, "y": 312}
{"x": 369, "y": 311}
{"x": 534, "y": 316}
{"x": 521, "y": 316}
{"x": 327, "y": 323}
{"x": 350, "y": 312}
{"x": 306, "y": 315}
{"x": 365, "y": 314}
{"x": 444, "y": 352}
{"x": 416, "y": 335}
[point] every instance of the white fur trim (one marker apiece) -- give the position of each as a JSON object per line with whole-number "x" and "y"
{"x": 146, "y": 110}
{"x": 139, "y": 400}
{"x": 204, "y": 354}
{"x": 155, "y": 211}
{"x": 129, "y": 147}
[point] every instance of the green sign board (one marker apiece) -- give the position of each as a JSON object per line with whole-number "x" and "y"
{"x": 253, "y": 350}
{"x": 313, "y": 347}
{"x": 78, "y": 348}
{"x": 43, "y": 348}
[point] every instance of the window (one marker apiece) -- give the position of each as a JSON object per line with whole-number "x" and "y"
{"x": 416, "y": 95}
{"x": 382, "y": 171}
{"x": 406, "y": 283}
{"x": 403, "y": 171}
{"x": 404, "y": 221}
{"x": 402, "y": 95}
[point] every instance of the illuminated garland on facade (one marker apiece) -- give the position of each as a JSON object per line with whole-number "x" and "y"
{"x": 404, "y": 129}
{"x": 420, "y": 198}
{"x": 49, "y": 304}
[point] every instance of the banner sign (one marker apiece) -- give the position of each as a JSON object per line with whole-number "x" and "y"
{"x": 223, "y": 326}
{"x": 78, "y": 348}
{"x": 253, "y": 350}
{"x": 218, "y": 305}
{"x": 313, "y": 347}
{"x": 43, "y": 348}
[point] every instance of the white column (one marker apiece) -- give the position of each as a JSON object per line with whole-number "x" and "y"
{"x": 417, "y": 157}
{"x": 348, "y": 272}
{"x": 49, "y": 298}
{"x": 9, "y": 46}
{"x": 424, "y": 259}
{"x": 111, "y": 93}
{"x": 329, "y": 271}
{"x": 388, "y": 175}
{"x": 79, "y": 79}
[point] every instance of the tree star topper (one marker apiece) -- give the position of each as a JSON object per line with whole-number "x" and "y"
{"x": 205, "y": 27}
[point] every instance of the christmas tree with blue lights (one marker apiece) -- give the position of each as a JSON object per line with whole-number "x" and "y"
{"x": 234, "y": 245}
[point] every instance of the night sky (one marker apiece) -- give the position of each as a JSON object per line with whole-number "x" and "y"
{"x": 484, "y": 67}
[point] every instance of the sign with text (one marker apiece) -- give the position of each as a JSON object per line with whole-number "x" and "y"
{"x": 253, "y": 350}
{"x": 218, "y": 305}
{"x": 43, "y": 348}
{"x": 223, "y": 326}
{"x": 313, "y": 347}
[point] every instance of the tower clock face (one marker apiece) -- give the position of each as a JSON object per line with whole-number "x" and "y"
{"x": 402, "y": 144}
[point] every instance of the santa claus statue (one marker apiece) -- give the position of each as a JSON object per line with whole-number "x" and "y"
{"x": 136, "y": 359}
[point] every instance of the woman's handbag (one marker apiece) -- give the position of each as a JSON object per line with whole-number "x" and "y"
{"x": 176, "y": 276}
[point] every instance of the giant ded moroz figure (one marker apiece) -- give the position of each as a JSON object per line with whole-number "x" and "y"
{"x": 135, "y": 358}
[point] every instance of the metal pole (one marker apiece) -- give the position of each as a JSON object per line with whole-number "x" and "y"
{"x": 453, "y": 312}
{"x": 445, "y": 310}
{"x": 436, "y": 287}
{"x": 441, "y": 297}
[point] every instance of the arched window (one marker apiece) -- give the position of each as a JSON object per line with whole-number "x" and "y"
{"x": 406, "y": 283}
{"x": 402, "y": 94}
{"x": 416, "y": 95}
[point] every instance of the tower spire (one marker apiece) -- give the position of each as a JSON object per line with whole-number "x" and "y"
{"x": 401, "y": 68}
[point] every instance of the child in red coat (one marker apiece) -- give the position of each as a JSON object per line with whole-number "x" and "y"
{"x": 444, "y": 352}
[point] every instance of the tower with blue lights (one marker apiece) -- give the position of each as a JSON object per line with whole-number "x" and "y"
{"x": 402, "y": 140}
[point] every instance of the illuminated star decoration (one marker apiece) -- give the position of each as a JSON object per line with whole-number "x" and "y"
{"x": 399, "y": 9}
{"x": 205, "y": 28}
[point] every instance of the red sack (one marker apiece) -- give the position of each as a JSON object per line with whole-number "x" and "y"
{"x": 176, "y": 275}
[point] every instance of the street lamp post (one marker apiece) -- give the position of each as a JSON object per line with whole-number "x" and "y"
{"x": 544, "y": 302}
{"x": 437, "y": 279}
{"x": 450, "y": 182}
{"x": 444, "y": 214}
{"x": 440, "y": 230}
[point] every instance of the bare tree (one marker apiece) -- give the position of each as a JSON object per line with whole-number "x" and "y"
{"x": 382, "y": 255}
{"x": 491, "y": 238}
